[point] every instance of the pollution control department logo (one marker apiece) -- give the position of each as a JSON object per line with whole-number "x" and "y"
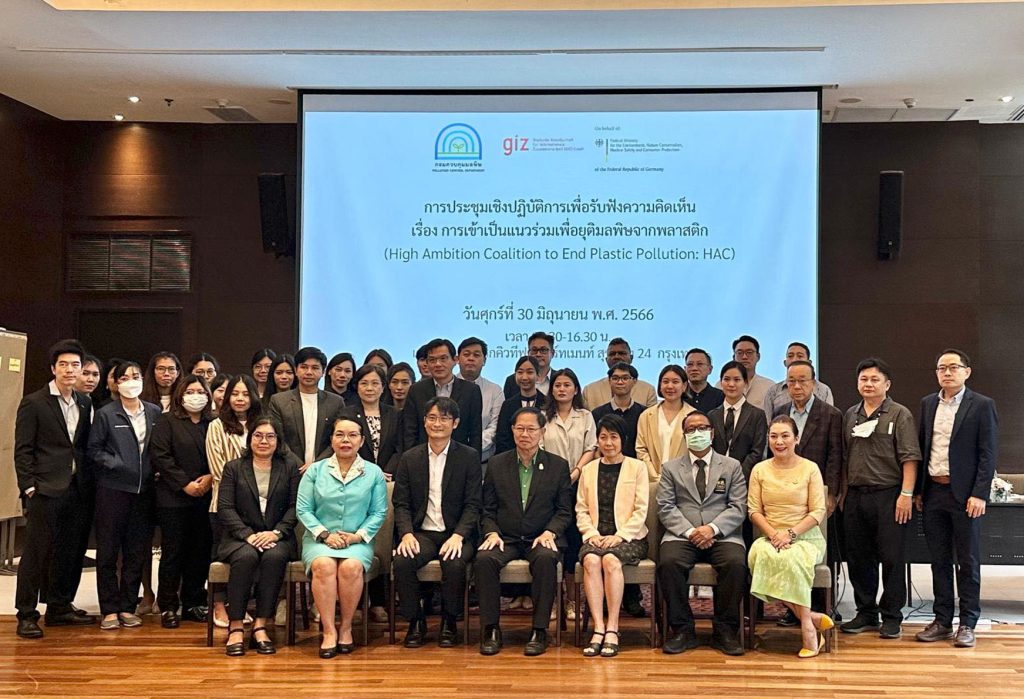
{"x": 458, "y": 142}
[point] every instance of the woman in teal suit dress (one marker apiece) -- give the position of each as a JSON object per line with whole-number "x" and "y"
{"x": 342, "y": 502}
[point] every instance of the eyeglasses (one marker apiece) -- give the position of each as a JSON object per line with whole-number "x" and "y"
{"x": 526, "y": 430}
{"x": 540, "y": 350}
{"x": 205, "y": 373}
{"x": 264, "y": 437}
{"x": 439, "y": 360}
{"x": 434, "y": 419}
{"x": 697, "y": 428}
{"x": 745, "y": 353}
{"x": 616, "y": 378}
{"x": 165, "y": 370}
{"x": 951, "y": 368}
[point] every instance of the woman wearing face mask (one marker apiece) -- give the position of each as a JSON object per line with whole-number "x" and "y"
{"x": 260, "y": 364}
{"x": 786, "y": 502}
{"x": 178, "y": 450}
{"x": 119, "y": 456}
{"x": 339, "y": 377}
{"x": 659, "y": 432}
{"x": 611, "y": 513}
{"x": 225, "y": 441}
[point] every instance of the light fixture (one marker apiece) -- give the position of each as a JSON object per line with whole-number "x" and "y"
{"x": 1006, "y": 98}
{"x": 119, "y": 117}
{"x": 850, "y": 100}
{"x": 134, "y": 99}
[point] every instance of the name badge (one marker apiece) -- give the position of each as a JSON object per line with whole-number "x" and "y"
{"x": 720, "y": 486}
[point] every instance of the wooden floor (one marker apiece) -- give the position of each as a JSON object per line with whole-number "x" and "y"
{"x": 153, "y": 662}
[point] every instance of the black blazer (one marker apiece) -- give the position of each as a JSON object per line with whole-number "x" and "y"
{"x": 465, "y": 393}
{"x": 973, "y": 445}
{"x": 286, "y": 408}
{"x": 43, "y": 450}
{"x": 748, "y": 438}
{"x": 113, "y": 450}
{"x": 460, "y": 491}
{"x": 821, "y": 441}
{"x": 238, "y": 503}
{"x": 503, "y": 440}
{"x": 549, "y": 504}
{"x": 388, "y": 453}
{"x": 178, "y": 454}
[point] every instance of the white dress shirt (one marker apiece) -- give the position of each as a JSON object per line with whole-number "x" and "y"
{"x": 71, "y": 413}
{"x": 309, "y": 410}
{"x": 433, "y": 520}
{"x": 493, "y": 397}
{"x": 737, "y": 409}
{"x": 942, "y": 432}
{"x": 444, "y": 389}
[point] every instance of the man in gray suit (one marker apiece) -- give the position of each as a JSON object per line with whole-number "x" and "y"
{"x": 702, "y": 502}
{"x": 307, "y": 413}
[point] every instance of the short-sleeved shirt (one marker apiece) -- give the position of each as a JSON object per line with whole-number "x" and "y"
{"x": 877, "y": 460}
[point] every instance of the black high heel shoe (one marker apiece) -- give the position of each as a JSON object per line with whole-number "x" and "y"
{"x": 328, "y": 652}
{"x": 235, "y": 650}
{"x": 261, "y": 647}
{"x": 346, "y": 648}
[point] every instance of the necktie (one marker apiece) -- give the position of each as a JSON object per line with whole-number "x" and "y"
{"x": 702, "y": 479}
{"x": 730, "y": 424}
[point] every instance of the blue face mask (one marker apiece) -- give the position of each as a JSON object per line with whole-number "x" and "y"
{"x": 698, "y": 441}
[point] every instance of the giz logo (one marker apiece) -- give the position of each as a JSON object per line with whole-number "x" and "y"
{"x": 514, "y": 144}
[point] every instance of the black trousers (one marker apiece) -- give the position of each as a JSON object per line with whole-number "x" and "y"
{"x": 51, "y": 559}
{"x": 949, "y": 530}
{"x": 453, "y": 575}
{"x": 124, "y": 527}
{"x": 262, "y": 569}
{"x": 873, "y": 537}
{"x": 730, "y": 563}
{"x": 543, "y": 568}
{"x": 184, "y": 555}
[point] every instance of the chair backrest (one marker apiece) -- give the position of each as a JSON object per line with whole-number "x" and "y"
{"x": 655, "y": 529}
{"x": 384, "y": 541}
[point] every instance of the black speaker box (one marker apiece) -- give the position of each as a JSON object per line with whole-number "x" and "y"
{"x": 890, "y": 214}
{"x": 278, "y": 234}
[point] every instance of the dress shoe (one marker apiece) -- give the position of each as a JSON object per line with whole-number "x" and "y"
{"x": 79, "y": 612}
{"x": 726, "y": 641}
{"x": 197, "y": 613}
{"x": 537, "y": 644}
{"x": 490, "y": 642}
{"x": 346, "y": 648}
{"x": 859, "y": 624}
{"x": 449, "y": 635}
{"x": 235, "y": 650}
{"x": 964, "y": 637}
{"x": 68, "y": 619}
{"x": 806, "y": 653}
{"x": 934, "y": 632}
{"x": 261, "y": 647}
{"x": 29, "y": 628}
{"x": 416, "y": 636}
{"x": 788, "y": 619}
{"x": 825, "y": 623}
{"x": 890, "y": 629}
{"x": 328, "y": 653}
{"x": 169, "y": 620}
{"x": 684, "y": 640}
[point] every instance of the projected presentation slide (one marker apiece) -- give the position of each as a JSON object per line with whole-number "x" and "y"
{"x": 672, "y": 220}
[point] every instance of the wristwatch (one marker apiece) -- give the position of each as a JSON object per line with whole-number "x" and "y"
{"x": 792, "y": 535}
{"x": 322, "y": 536}
{"x": 277, "y": 533}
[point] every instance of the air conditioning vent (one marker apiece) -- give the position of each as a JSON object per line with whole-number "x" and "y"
{"x": 232, "y": 115}
{"x": 136, "y": 262}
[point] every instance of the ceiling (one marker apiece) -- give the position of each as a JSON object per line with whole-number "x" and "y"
{"x": 82, "y": 65}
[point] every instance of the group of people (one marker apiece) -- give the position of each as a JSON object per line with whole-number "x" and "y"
{"x": 265, "y": 467}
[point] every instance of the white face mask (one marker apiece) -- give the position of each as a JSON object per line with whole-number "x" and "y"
{"x": 130, "y": 389}
{"x": 195, "y": 402}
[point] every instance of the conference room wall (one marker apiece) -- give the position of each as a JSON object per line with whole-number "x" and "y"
{"x": 957, "y": 281}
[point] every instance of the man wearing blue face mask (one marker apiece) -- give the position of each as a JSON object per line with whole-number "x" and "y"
{"x": 702, "y": 502}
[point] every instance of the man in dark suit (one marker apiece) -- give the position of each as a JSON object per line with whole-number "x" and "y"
{"x": 306, "y": 413}
{"x": 702, "y": 502}
{"x": 437, "y": 510}
{"x": 528, "y": 503}
{"x": 50, "y": 437}
{"x": 442, "y": 382}
{"x": 741, "y": 428}
{"x": 821, "y": 440}
{"x": 959, "y": 435}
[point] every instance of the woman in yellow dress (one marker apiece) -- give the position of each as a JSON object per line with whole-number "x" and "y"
{"x": 786, "y": 502}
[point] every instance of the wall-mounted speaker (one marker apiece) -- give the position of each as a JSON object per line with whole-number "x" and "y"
{"x": 278, "y": 234}
{"x": 890, "y": 214}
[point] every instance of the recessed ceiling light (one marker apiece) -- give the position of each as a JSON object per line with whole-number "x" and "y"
{"x": 119, "y": 117}
{"x": 850, "y": 100}
{"x": 134, "y": 99}
{"x": 1006, "y": 98}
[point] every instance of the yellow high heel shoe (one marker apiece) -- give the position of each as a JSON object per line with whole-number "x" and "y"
{"x": 825, "y": 623}
{"x": 804, "y": 653}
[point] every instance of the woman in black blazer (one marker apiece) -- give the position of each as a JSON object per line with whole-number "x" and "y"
{"x": 256, "y": 507}
{"x": 381, "y": 420}
{"x": 178, "y": 452}
{"x": 118, "y": 454}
